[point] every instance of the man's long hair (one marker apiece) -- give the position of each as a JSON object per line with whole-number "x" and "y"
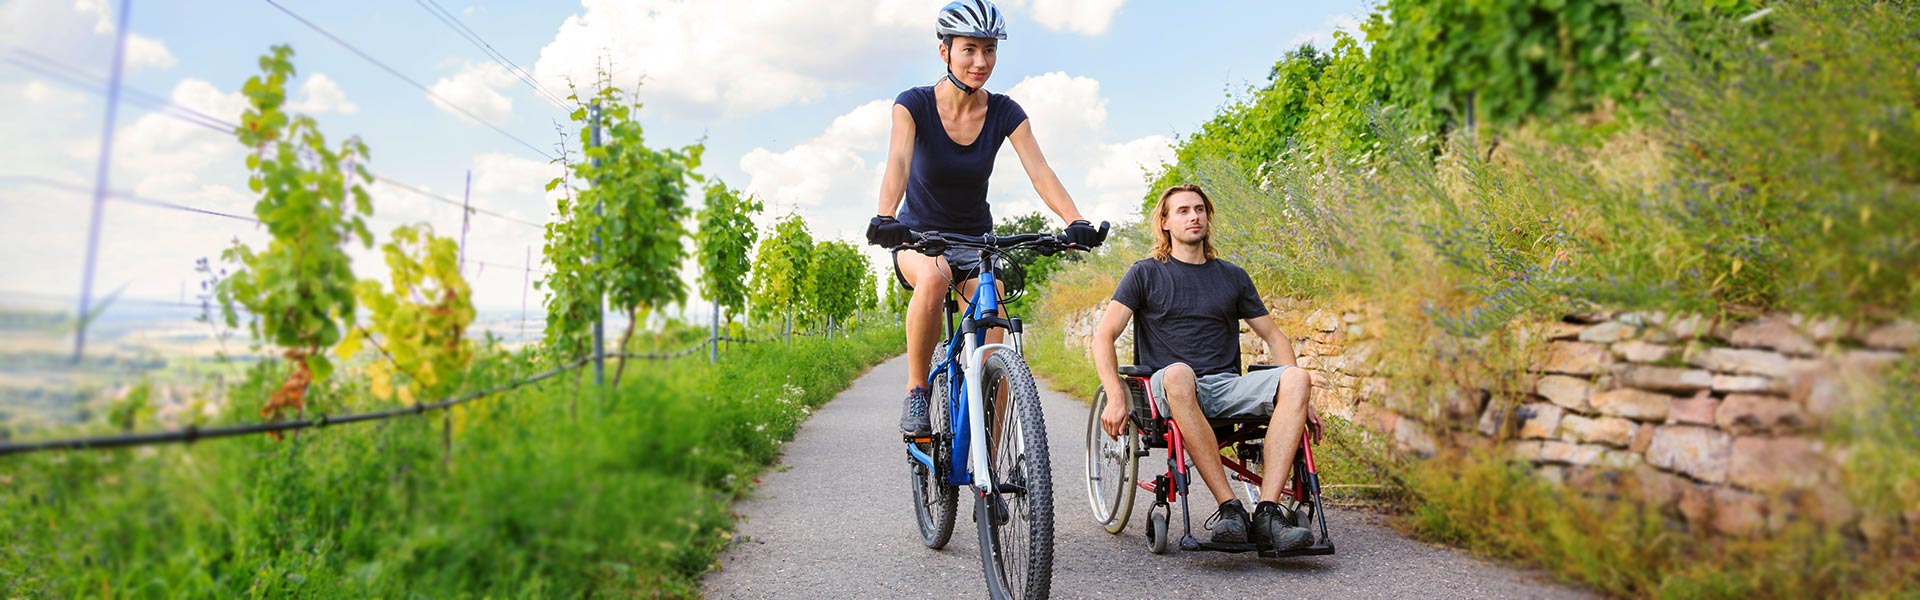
{"x": 1163, "y": 239}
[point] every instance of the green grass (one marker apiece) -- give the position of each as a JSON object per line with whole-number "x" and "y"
{"x": 628, "y": 499}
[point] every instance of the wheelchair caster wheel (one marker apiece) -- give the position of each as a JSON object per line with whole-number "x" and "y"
{"x": 1157, "y": 533}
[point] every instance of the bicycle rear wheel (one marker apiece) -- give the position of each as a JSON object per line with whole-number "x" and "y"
{"x": 1016, "y": 522}
{"x": 934, "y": 501}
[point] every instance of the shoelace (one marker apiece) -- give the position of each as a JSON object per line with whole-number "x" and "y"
{"x": 1208, "y": 525}
{"x": 916, "y": 403}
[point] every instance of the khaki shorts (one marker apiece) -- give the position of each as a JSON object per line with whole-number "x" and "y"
{"x": 1228, "y": 395}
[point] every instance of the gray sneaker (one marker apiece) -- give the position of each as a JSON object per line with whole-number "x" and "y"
{"x": 1229, "y": 524}
{"x": 1274, "y": 529}
{"x": 913, "y": 414}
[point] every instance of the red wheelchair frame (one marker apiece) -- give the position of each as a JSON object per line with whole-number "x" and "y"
{"x": 1148, "y": 428}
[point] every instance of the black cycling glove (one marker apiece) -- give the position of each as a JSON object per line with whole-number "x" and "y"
{"x": 888, "y": 232}
{"x": 1081, "y": 233}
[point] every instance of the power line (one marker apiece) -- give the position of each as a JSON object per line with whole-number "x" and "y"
{"x": 446, "y": 200}
{"x": 73, "y": 77}
{"x": 473, "y": 37}
{"x": 192, "y": 434}
{"x": 396, "y": 73}
{"x": 123, "y": 196}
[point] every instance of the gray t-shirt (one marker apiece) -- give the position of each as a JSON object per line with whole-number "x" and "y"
{"x": 1188, "y": 313}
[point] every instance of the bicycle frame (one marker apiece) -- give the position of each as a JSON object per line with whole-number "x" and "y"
{"x": 968, "y": 344}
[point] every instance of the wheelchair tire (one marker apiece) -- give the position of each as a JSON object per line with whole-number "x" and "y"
{"x": 1113, "y": 469}
{"x": 934, "y": 501}
{"x": 1157, "y": 532}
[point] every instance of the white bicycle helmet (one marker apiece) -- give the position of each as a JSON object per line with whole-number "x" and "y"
{"x": 971, "y": 18}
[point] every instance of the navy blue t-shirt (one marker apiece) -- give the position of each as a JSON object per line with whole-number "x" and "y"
{"x": 947, "y": 184}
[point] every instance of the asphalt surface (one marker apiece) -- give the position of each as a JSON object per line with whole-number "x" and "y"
{"x": 835, "y": 520}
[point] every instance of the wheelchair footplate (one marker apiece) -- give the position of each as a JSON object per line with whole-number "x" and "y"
{"x": 1189, "y": 543}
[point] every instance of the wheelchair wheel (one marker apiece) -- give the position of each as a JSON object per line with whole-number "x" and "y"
{"x": 1157, "y": 532}
{"x": 1113, "y": 468}
{"x": 933, "y": 499}
{"x": 1016, "y": 520}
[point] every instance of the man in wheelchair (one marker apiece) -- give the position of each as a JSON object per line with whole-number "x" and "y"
{"x": 1185, "y": 304}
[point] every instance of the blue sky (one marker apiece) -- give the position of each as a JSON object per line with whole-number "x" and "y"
{"x": 790, "y": 98}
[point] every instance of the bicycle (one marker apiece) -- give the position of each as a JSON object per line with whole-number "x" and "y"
{"x": 1005, "y": 460}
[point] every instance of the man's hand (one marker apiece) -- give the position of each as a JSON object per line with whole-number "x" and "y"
{"x": 1081, "y": 233}
{"x": 1314, "y": 427}
{"x": 888, "y": 232}
{"x": 1114, "y": 418}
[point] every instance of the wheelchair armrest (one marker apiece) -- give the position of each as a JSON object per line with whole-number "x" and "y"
{"x": 1136, "y": 371}
{"x": 1252, "y": 368}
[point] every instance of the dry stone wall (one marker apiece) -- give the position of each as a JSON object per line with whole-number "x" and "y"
{"x": 1718, "y": 423}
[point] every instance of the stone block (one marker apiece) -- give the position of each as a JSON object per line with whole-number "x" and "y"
{"x": 1822, "y": 329}
{"x": 1773, "y": 333}
{"x": 1741, "y": 361}
{"x": 1527, "y": 450}
{"x": 1574, "y": 358}
{"x": 1688, "y": 327}
{"x": 1539, "y": 420}
{"x": 1607, "y": 333}
{"x": 1666, "y": 379}
{"x": 1633, "y": 404}
{"x": 1699, "y": 452}
{"x": 1752, "y": 413}
{"x": 1768, "y": 464}
{"x": 1411, "y": 435}
{"x": 1656, "y": 488}
{"x": 1899, "y": 335}
{"x": 1724, "y": 511}
{"x": 1569, "y": 392}
{"x": 1320, "y": 320}
{"x": 1593, "y": 455}
{"x": 1868, "y": 362}
{"x": 1377, "y": 418}
{"x": 1609, "y": 431}
{"x": 1641, "y": 352}
{"x": 1642, "y": 437}
{"x": 1698, "y": 409}
{"x": 1556, "y": 451}
{"x": 1750, "y": 384}
{"x": 1554, "y": 475}
{"x": 1495, "y": 420}
{"x": 1824, "y": 505}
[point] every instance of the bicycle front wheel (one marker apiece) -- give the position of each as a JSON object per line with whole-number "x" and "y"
{"x": 1016, "y": 519}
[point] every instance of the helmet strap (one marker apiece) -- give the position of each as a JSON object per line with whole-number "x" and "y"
{"x": 956, "y": 83}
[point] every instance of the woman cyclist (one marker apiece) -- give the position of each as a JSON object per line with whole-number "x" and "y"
{"x": 941, "y": 152}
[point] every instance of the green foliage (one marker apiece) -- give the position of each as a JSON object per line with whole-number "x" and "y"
{"x": 834, "y": 279}
{"x": 1498, "y": 62}
{"x": 297, "y": 291}
{"x": 133, "y": 410}
{"x": 631, "y": 501}
{"x": 629, "y": 214}
{"x": 781, "y": 269}
{"x": 418, "y": 327}
{"x": 726, "y": 236}
{"x": 1882, "y": 472}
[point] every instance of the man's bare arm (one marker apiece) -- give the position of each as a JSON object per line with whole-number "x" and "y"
{"x": 1277, "y": 343}
{"x": 1106, "y": 363}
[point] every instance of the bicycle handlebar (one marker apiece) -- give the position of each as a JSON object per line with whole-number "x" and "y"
{"x": 933, "y": 243}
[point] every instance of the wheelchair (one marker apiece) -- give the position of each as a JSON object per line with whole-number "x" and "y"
{"x": 1113, "y": 472}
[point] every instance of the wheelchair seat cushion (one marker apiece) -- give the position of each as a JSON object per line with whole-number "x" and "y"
{"x": 1135, "y": 371}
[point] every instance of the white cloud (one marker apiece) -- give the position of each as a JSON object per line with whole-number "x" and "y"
{"x": 1322, "y": 38}
{"x": 320, "y": 94}
{"x": 1085, "y": 17}
{"x": 77, "y": 32}
{"x": 720, "y": 57}
{"x": 476, "y": 89}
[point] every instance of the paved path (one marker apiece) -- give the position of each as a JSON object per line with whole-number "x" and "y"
{"x": 834, "y": 520}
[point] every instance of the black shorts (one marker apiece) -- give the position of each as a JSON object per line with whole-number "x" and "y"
{"x": 962, "y": 264}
